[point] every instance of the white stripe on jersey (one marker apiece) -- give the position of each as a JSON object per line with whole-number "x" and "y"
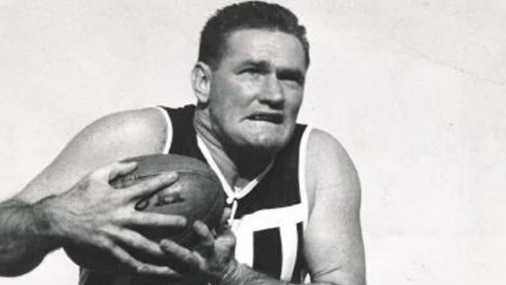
{"x": 289, "y": 242}
{"x": 302, "y": 173}
{"x": 272, "y": 218}
{"x": 170, "y": 132}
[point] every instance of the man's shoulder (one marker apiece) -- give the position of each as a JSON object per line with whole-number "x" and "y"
{"x": 147, "y": 119}
{"x": 328, "y": 163}
{"x": 138, "y": 131}
{"x": 321, "y": 143}
{"x": 325, "y": 150}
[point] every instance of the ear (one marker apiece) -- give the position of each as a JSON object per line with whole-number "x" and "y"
{"x": 201, "y": 81}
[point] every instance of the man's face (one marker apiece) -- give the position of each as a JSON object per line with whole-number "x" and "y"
{"x": 256, "y": 92}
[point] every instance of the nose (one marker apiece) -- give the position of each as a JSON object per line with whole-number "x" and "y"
{"x": 272, "y": 92}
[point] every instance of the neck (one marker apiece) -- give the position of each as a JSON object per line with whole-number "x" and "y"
{"x": 239, "y": 166}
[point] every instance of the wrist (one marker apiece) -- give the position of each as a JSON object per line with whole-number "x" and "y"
{"x": 46, "y": 223}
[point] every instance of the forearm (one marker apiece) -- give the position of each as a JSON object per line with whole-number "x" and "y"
{"x": 24, "y": 237}
{"x": 244, "y": 275}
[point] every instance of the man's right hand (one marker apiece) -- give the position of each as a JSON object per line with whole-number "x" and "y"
{"x": 93, "y": 214}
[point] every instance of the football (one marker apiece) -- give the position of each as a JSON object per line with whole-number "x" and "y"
{"x": 197, "y": 194}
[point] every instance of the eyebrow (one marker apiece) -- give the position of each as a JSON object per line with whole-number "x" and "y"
{"x": 284, "y": 72}
{"x": 292, "y": 73}
{"x": 261, "y": 64}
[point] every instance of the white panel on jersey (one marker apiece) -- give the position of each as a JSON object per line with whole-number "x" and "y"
{"x": 273, "y": 218}
{"x": 168, "y": 139}
{"x": 302, "y": 173}
{"x": 289, "y": 242}
{"x": 244, "y": 246}
{"x": 286, "y": 219}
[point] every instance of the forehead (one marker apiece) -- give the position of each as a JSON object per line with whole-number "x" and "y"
{"x": 276, "y": 47}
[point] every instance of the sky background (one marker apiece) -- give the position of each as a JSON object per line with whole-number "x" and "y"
{"x": 414, "y": 90}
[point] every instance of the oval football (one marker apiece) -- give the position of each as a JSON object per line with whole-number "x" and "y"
{"x": 197, "y": 194}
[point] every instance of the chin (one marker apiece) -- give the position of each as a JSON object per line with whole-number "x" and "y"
{"x": 259, "y": 141}
{"x": 268, "y": 144}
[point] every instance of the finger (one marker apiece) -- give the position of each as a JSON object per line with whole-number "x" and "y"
{"x": 161, "y": 273}
{"x": 122, "y": 169}
{"x": 150, "y": 186}
{"x": 147, "y": 219}
{"x": 131, "y": 264}
{"x": 227, "y": 212}
{"x": 227, "y": 236}
{"x": 113, "y": 170}
{"x": 206, "y": 245}
{"x": 179, "y": 255}
{"x": 225, "y": 220}
{"x": 136, "y": 241}
{"x": 203, "y": 232}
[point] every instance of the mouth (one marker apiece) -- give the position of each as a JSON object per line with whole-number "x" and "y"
{"x": 275, "y": 118}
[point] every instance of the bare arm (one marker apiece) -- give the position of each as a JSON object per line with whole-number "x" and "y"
{"x": 46, "y": 214}
{"x": 333, "y": 247}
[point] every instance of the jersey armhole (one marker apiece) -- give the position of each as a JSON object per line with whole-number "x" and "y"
{"x": 168, "y": 128}
{"x": 302, "y": 173}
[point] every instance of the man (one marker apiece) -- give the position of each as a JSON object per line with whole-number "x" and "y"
{"x": 293, "y": 191}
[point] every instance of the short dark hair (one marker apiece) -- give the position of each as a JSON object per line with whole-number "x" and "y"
{"x": 247, "y": 15}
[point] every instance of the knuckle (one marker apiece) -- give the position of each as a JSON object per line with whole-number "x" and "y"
{"x": 84, "y": 184}
{"x": 123, "y": 182}
{"x": 123, "y": 215}
{"x": 115, "y": 165}
{"x": 229, "y": 240}
{"x": 189, "y": 260}
{"x": 106, "y": 244}
{"x": 97, "y": 174}
{"x": 141, "y": 186}
{"x": 141, "y": 268}
{"x": 155, "y": 182}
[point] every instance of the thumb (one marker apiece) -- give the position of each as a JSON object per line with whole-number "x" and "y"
{"x": 113, "y": 171}
{"x": 224, "y": 221}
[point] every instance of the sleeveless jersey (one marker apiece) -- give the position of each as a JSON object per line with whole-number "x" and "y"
{"x": 268, "y": 222}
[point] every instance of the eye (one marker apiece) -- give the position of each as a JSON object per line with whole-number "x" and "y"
{"x": 250, "y": 70}
{"x": 292, "y": 77}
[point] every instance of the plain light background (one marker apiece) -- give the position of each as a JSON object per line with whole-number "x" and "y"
{"x": 414, "y": 89}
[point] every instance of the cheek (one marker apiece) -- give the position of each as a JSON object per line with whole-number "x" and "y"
{"x": 294, "y": 101}
{"x": 230, "y": 94}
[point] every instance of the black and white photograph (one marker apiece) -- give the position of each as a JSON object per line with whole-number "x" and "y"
{"x": 252, "y": 142}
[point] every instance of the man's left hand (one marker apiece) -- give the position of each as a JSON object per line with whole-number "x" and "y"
{"x": 210, "y": 261}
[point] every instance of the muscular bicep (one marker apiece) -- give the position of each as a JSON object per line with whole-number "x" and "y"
{"x": 107, "y": 140}
{"x": 333, "y": 244}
